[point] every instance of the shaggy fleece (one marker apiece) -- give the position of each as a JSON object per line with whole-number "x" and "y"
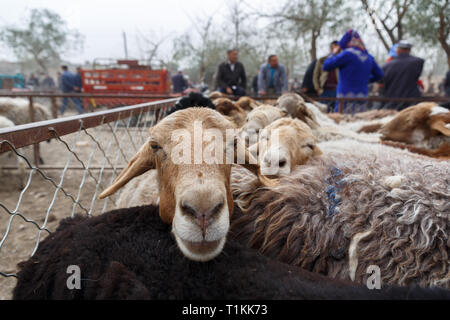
{"x": 130, "y": 254}
{"x": 339, "y": 214}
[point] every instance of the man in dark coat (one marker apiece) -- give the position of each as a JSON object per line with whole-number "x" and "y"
{"x": 308, "y": 84}
{"x": 231, "y": 76}
{"x": 69, "y": 83}
{"x": 447, "y": 84}
{"x": 179, "y": 83}
{"x": 401, "y": 76}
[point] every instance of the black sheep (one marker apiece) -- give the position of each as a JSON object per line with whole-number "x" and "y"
{"x": 194, "y": 99}
{"x": 130, "y": 254}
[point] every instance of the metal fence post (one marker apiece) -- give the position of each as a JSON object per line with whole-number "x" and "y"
{"x": 36, "y": 145}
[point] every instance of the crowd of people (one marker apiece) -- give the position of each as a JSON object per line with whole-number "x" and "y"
{"x": 347, "y": 71}
{"x": 67, "y": 82}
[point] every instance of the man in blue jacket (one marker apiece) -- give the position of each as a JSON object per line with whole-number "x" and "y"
{"x": 69, "y": 84}
{"x": 357, "y": 68}
{"x": 272, "y": 78}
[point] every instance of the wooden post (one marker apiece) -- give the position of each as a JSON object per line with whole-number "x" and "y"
{"x": 36, "y": 145}
{"x": 341, "y": 106}
{"x": 54, "y": 108}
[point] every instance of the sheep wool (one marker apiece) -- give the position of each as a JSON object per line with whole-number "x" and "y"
{"x": 130, "y": 254}
{"x": 339, "y": 214}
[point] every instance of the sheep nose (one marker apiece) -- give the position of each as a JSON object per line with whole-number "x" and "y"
{"x": 203, "y": 213}
{"x": 271, "y": 159}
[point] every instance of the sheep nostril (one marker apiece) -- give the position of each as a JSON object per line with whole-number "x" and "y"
{"x": 282, "y": 162}
{"x": 188, "y": 210}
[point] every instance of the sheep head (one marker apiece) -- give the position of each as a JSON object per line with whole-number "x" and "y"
{"x": 284, "y": 144}
{"x": 425, "y": 124}
{"x": 193, "y": 151}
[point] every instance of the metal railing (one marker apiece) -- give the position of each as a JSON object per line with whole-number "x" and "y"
{"x": 97, "y": 144}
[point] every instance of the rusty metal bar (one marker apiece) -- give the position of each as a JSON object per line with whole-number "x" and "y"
{"x": 27, "y": 134}
{"x": 36, "y": 145}
{"x": 40, "y": 94}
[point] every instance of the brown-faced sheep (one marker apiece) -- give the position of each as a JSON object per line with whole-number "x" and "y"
{"x": 194, "y": 182}
{"x": 130, "y": 254}
{"x": 369, "y": 204}
{"x": 231, "y": 110}
{"x": 425, "y": 127}
{"x": 247, "y": 103}
{"x": 285, "y": 144}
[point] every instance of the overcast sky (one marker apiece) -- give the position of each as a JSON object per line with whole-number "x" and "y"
{"x": 102, "y": 21}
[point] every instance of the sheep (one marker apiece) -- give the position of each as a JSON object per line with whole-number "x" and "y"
{"x": 194, "y": 99}
{"x": 17, "y": 110}
{"x": 424, "y": 127}
{"x": 232, "y": 110}
{"x": 143, "y": 190}
{"x": 258, "y": 119}
{"x": 20, "y": 163}
{"x": 284, "y": 144}
{"x": 194, "y": 185}
{"x": 338, "y": 214}
{"x": 130, "y": 254}
{"x": 247, "y": 103}
{"x": 295, "y": 106}
{"x": 216, "y": 94}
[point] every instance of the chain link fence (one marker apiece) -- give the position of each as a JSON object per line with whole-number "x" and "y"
{"x": 79, "y": 157}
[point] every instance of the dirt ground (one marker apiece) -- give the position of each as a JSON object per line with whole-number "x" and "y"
{"x": 23, "y": 236}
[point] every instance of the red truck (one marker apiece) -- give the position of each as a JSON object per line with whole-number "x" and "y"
{"x": 123, "y": 77}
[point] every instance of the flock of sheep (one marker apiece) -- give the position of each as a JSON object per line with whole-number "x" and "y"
{"x": 348, "y": 193}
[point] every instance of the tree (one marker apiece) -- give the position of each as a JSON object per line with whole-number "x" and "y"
{"x": 430, "y": 22}
{"x": 391, "y": 16}
{"x": 44, "y": 38}
{"x": 310, "y": 18}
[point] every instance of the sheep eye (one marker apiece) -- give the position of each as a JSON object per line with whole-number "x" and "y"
{"x": 308, "y": 145}
{"x": 155, "y": 146}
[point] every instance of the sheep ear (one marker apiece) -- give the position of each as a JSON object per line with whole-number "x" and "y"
{"x": 441, "y": 127}
{"x": 143, "y": 161}
{"x": 252, "y": 165}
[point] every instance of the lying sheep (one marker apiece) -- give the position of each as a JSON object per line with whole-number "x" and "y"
{"x": 194, "y": 99}
{"x": 231, "y": 110}
{"x": 341, "y": 213}
{"x": 247, "y": 103}
{"x": 130, "y": 254}
{"x": 285, "y": 144}
{"x": 216, "y": 94}
{"x": 294, "y": 105}
{"x": 425, "y": 127}
{"x": 17, "y": 110}
{"x": 258, "y": 119}
{"x": 195, "y": 194}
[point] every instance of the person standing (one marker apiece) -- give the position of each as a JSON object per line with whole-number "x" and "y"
{"x": 325, "y": 82}
{"x": 447, "y": 84}
{"x": 179, "y": 83}
{"x": 48, "y": 83}
{"x": 68, "y": 84}
{"x": 308, "y": 84}
{"x": 231, "y": 78}
{"x": 357, "y": 68}
{"x": 295, "y": 86}
{"x": 78, "y": 82}
{"x": 272, "y": 78}
{"x": 401, "y": 76}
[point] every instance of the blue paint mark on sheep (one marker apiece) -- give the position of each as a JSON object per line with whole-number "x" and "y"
{"x": 335, "y": 184}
